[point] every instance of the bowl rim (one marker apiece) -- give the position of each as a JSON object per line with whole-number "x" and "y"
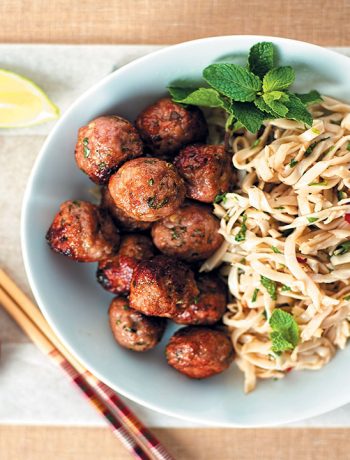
{"x": 326, "y": 406}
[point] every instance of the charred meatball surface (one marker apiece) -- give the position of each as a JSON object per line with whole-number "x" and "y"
{"x": 199, "y": 352}
{"x": 162, "y": 287}
{"x": 206, "y": 169}
{"x": 132, "y": 329}
{"x": 209, "y": 307}
{"x": 122, "y": 220}
{"x": 147, "y": 189}
{"x": 190, "y": 233}
{"x": 83, "y": 231}
{"x": 115, "y": 273}
{"x": 165, "y": 127}
{"x": 104, "y": 144}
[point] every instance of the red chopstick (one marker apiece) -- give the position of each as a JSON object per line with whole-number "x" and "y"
{"x": 116, "y": 426}
{"x": 128, "y": 417}
{"x": 125, "y": 425}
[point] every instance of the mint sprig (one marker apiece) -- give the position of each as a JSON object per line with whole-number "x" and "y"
{"x": 252, "y": 94}
{"x": 285, "y": 331}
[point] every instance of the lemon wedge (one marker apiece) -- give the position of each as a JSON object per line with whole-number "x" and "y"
{"x": 22, "y": 102}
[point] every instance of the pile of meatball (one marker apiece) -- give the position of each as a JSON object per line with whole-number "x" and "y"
{"x": 151, "y": 230}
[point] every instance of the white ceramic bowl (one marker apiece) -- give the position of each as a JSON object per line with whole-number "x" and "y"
{"x": 76, "y": 306}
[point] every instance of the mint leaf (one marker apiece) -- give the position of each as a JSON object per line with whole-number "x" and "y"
{"x": 279, "y": 343}
{"x": 278, "y": 96}
{"x": 311, "y": 147}
{"x": 310, "y": 98}
{"x": 261, "y": 58}
{"x": 270, "y": 286}
{"x": 297, "y": 110}
{"x": 285, "y": 335}
{"x": 285, "y": 288}
{"x": 278, "y": 78}
{"x": 204, "y": 97}
{"x": 220, "y": 198}
{"x": 255, "y": 294}
{"x": 233, "y": 81}
{"x": 243, "y": 230}
{"x": 261, "y": 105}
{"x": 276, "y": 250}
{"x": 178, "y": 92}
{"x": 278, "y": 107}
{"x": 249, "y": 115}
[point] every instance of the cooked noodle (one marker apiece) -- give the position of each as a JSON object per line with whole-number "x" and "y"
{"x": 292, "y": 198}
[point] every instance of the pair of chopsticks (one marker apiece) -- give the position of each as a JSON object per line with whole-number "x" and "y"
{"x": 124, "y": 424}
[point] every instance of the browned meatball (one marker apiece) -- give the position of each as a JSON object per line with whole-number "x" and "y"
{"x": 122, "y": 220}
{"x": 139, "y": 247}
{"x": 115, "y": 273}
{"x": 104, "y": 144}
{"x": 83, "y": 231}
{"x": 209, "y": 306}
{"x": 199, "y": 352}
{"x": 190, "y": 233}
{"x": 147, "y": 189}
{"x": 165, "y": 126}
{"x": 132, "y": 329}
{"x": 206, "y": 169}
{"x": 162, "y": 287}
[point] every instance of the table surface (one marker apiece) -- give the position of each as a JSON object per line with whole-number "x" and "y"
{"x": 166, "y": 21}
{"x": 138, "y": 21}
